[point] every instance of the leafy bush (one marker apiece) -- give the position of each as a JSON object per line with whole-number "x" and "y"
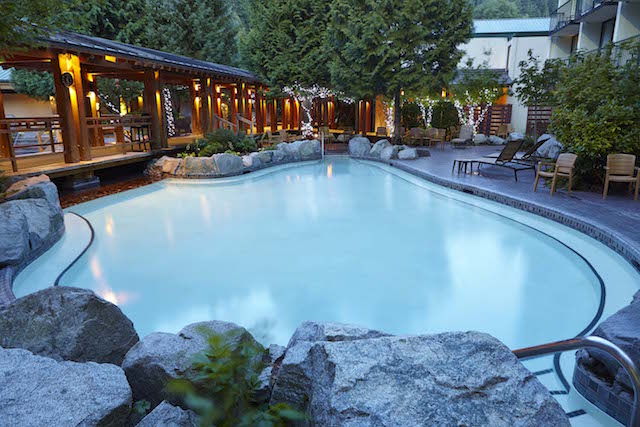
{"x": 4, "y": 183}
{"x": 598, "y": 112}
{"x": 444, "y": 115}
{"x": 221, "y": 141}
{"x": 211, "y": 149}
{"x": 226, "y": 381}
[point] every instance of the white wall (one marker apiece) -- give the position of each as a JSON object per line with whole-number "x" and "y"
{"x": 589, "y": 38}
{"x": 499, "y": 46}
{"x": 628, "y": 21}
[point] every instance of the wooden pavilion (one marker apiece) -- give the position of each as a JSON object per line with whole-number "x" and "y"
{"x": 76, "y": 62}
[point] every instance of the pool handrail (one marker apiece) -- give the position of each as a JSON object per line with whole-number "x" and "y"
{"x": 601, "y": 344}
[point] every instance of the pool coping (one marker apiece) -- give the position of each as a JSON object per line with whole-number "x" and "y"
{"x": 599, "y": 232}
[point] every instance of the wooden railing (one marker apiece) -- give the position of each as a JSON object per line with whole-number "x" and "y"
{"x": 11, "y": 145}
{"x": 248, "y": 122}
{"x": 223, "y": 122}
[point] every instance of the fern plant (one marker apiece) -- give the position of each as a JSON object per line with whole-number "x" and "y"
{"x": 225, "y": 381}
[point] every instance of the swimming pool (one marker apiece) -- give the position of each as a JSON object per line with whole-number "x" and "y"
{"x": 336, "y": 240}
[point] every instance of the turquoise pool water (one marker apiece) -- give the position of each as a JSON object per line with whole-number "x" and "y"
{"x": 335, "y": 240}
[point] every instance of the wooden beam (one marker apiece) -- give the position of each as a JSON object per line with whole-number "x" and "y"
{"x": 234, "y": 105}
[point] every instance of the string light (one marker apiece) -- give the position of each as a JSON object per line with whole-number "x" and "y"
{"x": 389, "y": 116}
{"x": 168, "y": 109}
{"x": 427, "y": 111}
{"x": 305, "y": 96}
{"x": 473, "y": 104}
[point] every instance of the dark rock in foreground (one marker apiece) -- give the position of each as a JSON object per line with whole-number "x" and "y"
{"x": 67, "y": 324}
{"x": 39, "y": 391}
{"x": 167, "y": 415}
{"x": 160, "y": 357}
{"x": 446, "y": 379}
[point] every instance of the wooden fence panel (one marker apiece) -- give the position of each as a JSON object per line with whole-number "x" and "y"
{"x": 543, "y": 115}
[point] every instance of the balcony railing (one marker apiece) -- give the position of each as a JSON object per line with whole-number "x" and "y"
{"x": 564, "y": 15}
{"x": 621, "y": 52}
{"x": 589, "y": 5}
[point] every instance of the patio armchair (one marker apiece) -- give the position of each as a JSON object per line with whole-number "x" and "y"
{"x": 401, "y": 132}
{"x": 284, "y": 136}
{"x": 381, "y": 133}
{"x": 622, "y": 168}
{"x": 437, "y": 136}
{"x": 465, "y": 137}
{"x": 416, "y": 135}
{"x": 268, "y": 139}
{"x": 561, "y": 168}
{"x": 503, "y": 131}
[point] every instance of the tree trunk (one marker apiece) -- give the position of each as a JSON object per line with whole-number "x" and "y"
{"x": 535, "y": 124}
{"x": 397, "y": 117}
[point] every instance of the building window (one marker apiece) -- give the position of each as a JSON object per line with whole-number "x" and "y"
{"x": 508, "y": 56}
{"x": 606, "y": 36}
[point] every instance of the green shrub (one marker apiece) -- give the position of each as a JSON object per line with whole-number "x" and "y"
{"x": 4, "y": 184}
{"x": 444, "y": 115}
{"x": 211, "y": 149}
{"x": 225, "y": 383}
{"x": 598, "y": 113}
{"x": 411, "y": 115}
{"x": 245, "y": 145}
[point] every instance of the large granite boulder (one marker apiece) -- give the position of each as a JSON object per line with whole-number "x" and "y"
{"x": 310, "y": 149}
{"x": 331, "y": 332}
{"x": 377, "y": 148}
{"x": 359, "y": 146}
{"x": 199, "y": 166}
{"x": 39, "y": 391}
{"x": 408, "y": 154}
{"x": 172, "y": 166}
{"x": 37, "y": 187}
{"x": 389, "y": 153}
{"x": 551, "y": 149}
{"x": 291, "y": 150}
{"x": 496, "y": 140}
{"x": 45, "y": 222}
{"x": 14, "y": 235}
{"x": 622, "y": 329}
{"x": 66, "y": 323}
{"x": 278, "y": 156}
{"x": 267, "y": 377}
{"x": 251, "y": 162}
{"x": 516, "y": 136}
{"x": 227, "y": 164}
{"x": 264, "y": 156}
{"x": 160, "y": 357}
{"x": 480, "y": 139}
{"x": 167, "y": 415}
{"x": 444, "y": 379}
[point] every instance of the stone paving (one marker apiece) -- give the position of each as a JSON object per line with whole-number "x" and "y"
{"x": 615, "y": 221}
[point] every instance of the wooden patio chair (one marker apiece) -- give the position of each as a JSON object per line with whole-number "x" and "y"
{"x": 328, "y": 136}
{"x": 465, "y": 137}
{"x": 267, "y": 139}
{"x": 381, "y": 133}
{"x": 503, "y": 131}
{"x": 284, "y": 136}
{"x": 438, "y": 136}
{"x": 622, "y": 168}
{"x": 416, "y": 135}
{"x": 401, "y": 132}
{"x": 561, "y": 168}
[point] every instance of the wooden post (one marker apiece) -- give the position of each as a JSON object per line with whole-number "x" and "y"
{"x": 274, "y": 116}
{"x": 72, "y": 113}
{"x": 205, "y": 105}
{"x": 195, "y": 108}
{"x": 234, "y": 105}
{"x": 96, "y": 135}
{"x": 332, "y": 114}
{"x": 6, "y": 144}
{"x": 259, "y": 111}
{"x": 367, "y": 112}
{"x": 217, "y": 107}
{"x": 154, "y": 102}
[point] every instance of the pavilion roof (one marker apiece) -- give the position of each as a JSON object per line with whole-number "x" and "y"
{"x": 67, "y": 40}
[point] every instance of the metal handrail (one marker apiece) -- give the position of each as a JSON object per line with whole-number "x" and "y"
{"x": 601, "y": 344}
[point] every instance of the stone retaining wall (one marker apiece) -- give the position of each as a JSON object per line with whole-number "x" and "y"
{"x": 31, "y": 221}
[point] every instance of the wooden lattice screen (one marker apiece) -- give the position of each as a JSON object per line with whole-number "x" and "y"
{"x": 496, "y": 116}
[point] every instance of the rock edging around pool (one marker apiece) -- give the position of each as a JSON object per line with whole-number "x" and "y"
{"x": 227, "y": 164}
{"x": 335, "y": 374}
{"x": 31, "y": 221}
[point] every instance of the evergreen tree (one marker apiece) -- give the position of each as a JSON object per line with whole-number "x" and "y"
{"x": 384, "y": 47}
{"x": 285, "y": 43}
{"x": 497, "y": 9}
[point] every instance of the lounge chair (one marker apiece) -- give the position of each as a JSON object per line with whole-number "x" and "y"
{"x": 465, "y": 137}
{"x": 505, "y": 160}
{"x": 527, "y": 156}
{"x": 621, "y": 168}
{"x": 562, "y": 168}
